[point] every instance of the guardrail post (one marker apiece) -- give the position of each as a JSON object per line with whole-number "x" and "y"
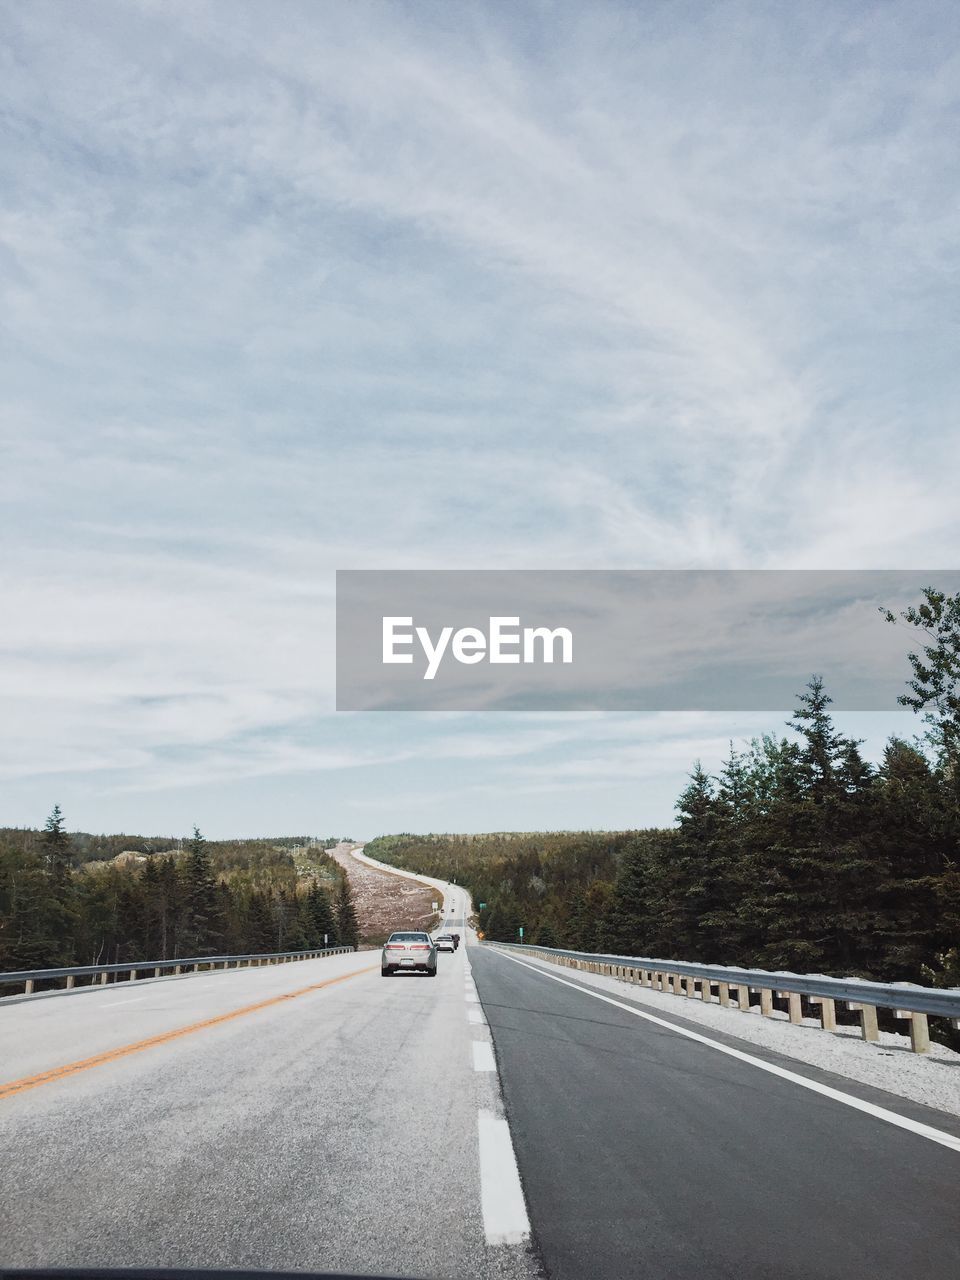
{"x": 28, "y": 987}
{"x": 766, "y": 1001}
{"x": 724, "y": 990}
{"x": 133, "y": 976}
{"x": 828, "y": 1012}
{"x": 868, "y": 1020}
{"x": 795, "y": 1006}
{"x": 103, "y": 978}
{"x": 706, "y": 990}
{"x": 743, "y": 997}
{"x": 178, "y": 969}
{"x": 919, "y": 1029}
{"x": 691, "y": 988}
{"x": 71, "y": 980}
{"x": 919, "y": 1033}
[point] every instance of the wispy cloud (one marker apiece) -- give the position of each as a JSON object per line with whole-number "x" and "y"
{"x": 379, "y": 285}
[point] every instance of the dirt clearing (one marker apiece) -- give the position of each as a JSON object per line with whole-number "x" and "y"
{"x": 386, "y": 902}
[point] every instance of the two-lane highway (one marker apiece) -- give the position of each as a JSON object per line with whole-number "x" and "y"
{"x": 316, "y": 1116}
{"x": 645, "y": 1153}
{"x": 312, "y": 1116}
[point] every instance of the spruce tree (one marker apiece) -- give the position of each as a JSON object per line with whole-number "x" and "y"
{"x": 202, "y": 927}
{"x": 698, "y": 900}
{"x": 348, "y": 927}
{"x": 910, "y": 850}
{"x": 629, "y": 924}
{"x": 935, "y": 687}
{"x": 321, "y": 913}
{"x": 259, "y": 932}
{"x": 56, "y": 847}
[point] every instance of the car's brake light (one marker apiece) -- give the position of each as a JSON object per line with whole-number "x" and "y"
{"x": 396, "y": 946}
{"x": 419, "y": 946}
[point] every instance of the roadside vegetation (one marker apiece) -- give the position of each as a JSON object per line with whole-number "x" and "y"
{"x": 80, "y": 899}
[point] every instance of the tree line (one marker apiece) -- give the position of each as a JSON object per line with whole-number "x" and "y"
{"x": 57, "y": 909}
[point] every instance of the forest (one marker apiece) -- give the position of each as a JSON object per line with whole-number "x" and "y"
{"x": 77, "y": 899}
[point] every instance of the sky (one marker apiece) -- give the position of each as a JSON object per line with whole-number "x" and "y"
{"x": 286, "y": 289}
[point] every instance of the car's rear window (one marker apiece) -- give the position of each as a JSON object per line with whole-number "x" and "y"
{"x": 408, "y": 937}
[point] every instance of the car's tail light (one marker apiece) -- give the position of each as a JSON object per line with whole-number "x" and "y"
{"x": 395, "y": 946}
{"x": 420, "y": 946}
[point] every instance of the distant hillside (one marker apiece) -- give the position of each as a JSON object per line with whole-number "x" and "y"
{"x": 85, "y": 847}
{"x": 75, "y": 898}
{"x": 555, "y": 884}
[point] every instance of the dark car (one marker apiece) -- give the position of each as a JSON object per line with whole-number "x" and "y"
{"x": 456, "y": 939}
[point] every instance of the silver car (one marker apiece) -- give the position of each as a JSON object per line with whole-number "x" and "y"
{"x": 408, "y": 952}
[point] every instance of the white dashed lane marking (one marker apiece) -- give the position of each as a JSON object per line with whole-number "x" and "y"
{"x": 505, "y": 1218}
{"x": 483, "y": 1056}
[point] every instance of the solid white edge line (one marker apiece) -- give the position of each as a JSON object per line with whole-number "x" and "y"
{"x": 483, "y": 1059}
{"x": 505, "y": 1218}
{"x": 475, "y": 1018}
{"x": 848, "y": 1099}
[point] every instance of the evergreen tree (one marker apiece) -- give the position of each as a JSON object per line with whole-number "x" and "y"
{"x": 577, "y": 924}
{"x": 283, "y": 908}
{"x": 935, "y": 687}
{"x": 910, "y": 847}
{"x": 348, "y": 927}
{"x": 546, "y": 933}
{"x": 698, "y": 905}
{"x": 322, "y": 917}
{"x": 202, "y": 928}
{"x": 56, "y": 846}
{"x": 259, "y": 931}
{"x": 629, "y": 922}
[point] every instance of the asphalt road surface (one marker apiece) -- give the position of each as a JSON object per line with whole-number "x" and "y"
{"x": 315, "y": 1116}
{"x": 342, "y": 1123}
{"x": 645, "y": 1154}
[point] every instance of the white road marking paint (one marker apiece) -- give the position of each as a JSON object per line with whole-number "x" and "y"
{"x": 471, "y": 997}
{"x": 847, "y": 1099}
{"x": 505, "y": 1218}
{"x": 483, "y": 1056}
{"x": 476, "y": 1017}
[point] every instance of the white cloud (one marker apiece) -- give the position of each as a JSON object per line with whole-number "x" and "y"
{"x": 380, "y": 287}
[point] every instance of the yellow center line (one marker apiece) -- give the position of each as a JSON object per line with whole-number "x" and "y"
{"x": 110, "y": 1055}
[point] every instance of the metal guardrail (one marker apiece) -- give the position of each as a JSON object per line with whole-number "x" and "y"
{"x": 906, "y": 1000}
{"x": 102, "y": 972}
